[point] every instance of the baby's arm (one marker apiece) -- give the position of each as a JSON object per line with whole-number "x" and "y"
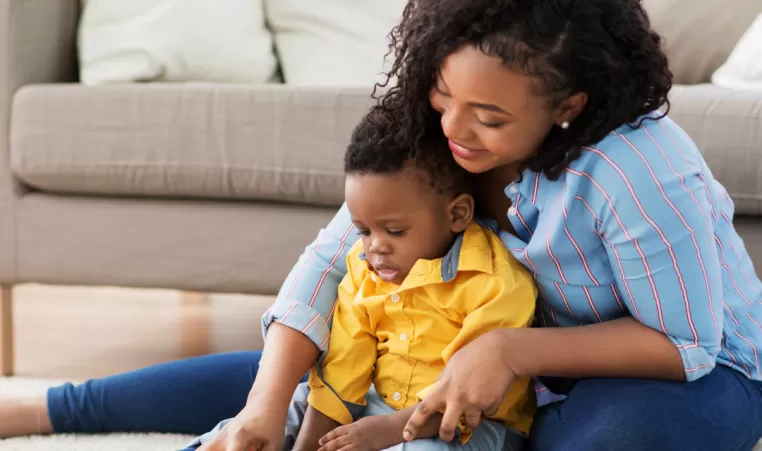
{"x": 378, "y": 432}
{"x": 314, "y": 427}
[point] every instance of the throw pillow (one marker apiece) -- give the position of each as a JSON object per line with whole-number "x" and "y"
{"x": 333, "y": 42}
{"x": 174, "y": 40}
{"x": 700, "y": 34}
{"x": 743, "y": 70}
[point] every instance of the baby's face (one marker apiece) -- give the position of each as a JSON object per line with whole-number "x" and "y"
{"x": 400, "y": 220}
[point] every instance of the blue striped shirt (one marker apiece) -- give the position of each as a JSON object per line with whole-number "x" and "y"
{"x": 636, "y": 226}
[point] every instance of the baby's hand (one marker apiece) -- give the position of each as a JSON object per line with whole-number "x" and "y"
{"x": 367, "y": 434}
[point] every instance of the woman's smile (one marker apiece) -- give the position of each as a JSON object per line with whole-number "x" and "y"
{"x": 465, "y": 152}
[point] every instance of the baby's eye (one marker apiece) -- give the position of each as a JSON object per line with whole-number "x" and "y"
{"x": 399, "y": 232}
{"x": 363, "y": 232}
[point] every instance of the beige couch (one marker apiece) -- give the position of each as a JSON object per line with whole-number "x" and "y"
{"x": 214, "y": 187}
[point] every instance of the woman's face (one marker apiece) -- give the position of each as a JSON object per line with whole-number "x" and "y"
{"x": 490, "y": 114}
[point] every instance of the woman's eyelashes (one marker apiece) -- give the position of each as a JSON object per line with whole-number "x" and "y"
{"x": 439, "y": 91}
{"x": 492, "y": 124}
{"x": 440, "y": 108}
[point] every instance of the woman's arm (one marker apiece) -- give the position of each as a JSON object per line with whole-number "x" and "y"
{"x": 262, "y": 422}
{"x": 296, "y": 329}
{"x": 619, "y": 348}
{"x": 287, "y": 357}
{"x": 307, "y": 297}
{"x": 655, "y": 211}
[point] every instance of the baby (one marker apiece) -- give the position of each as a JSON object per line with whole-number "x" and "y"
{"x": 423, "y": 281}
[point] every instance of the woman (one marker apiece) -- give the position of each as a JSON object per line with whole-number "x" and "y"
{"x": 650, "y": 302}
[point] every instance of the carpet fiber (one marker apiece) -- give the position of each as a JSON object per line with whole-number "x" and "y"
{"x": 111, "y": 442}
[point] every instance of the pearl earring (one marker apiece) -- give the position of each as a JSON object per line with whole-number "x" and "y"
{"x": 565, "y": 125}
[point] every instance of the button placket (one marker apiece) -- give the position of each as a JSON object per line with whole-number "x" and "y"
{"x": 403, "y": 327}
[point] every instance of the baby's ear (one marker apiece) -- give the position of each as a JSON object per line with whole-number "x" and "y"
{"x": 461, "y": 212}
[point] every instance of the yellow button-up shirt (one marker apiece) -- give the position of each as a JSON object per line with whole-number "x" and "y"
{"x": 399, "y": 337}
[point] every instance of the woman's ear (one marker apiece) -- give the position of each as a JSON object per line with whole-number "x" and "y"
{"x": 569, "y": 109}
{"x": 461, "y": 212}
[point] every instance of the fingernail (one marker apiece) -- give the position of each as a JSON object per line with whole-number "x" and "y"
{"x": 407, "y": 435}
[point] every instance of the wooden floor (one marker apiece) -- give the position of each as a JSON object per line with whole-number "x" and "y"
{"x": 77, "y": 333}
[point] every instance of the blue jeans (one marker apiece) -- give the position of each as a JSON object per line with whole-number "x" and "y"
{"x": 721, "y": 411}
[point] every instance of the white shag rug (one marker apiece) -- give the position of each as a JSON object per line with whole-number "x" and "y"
{"x": 111, "y": 442}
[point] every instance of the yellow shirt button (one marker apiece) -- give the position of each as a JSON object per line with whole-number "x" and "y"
{"x": 403, "y": 337}
{"x": 396, "y": 396}
{"x": 395, "y": 297}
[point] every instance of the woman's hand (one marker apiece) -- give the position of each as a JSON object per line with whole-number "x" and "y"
{"x": 473, "y": 384}
{"x": 261, "y": 425}
{"x": 255, "y": 428}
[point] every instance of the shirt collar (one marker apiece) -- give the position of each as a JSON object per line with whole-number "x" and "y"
{"x": 531, "y": 187}
{"x": 471, "y": 251}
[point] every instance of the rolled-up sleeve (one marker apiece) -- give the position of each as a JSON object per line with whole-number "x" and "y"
{"x": 659, "y": 236}
{"x": 308, "y": 295}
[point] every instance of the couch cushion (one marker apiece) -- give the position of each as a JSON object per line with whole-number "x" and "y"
{"x": 726, "y": 125}
{"x": 700, "y": 34}
{"x": 186, "y": 140}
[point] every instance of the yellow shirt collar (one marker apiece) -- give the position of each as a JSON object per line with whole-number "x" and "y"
{"x": 471, "y": 251}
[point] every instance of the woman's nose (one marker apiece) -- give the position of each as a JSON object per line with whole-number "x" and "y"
{"x": 454, "y": 126}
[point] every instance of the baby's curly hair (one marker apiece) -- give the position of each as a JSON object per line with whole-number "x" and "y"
{"x": 605, "y": 48}
{"x": 373, "y": 149}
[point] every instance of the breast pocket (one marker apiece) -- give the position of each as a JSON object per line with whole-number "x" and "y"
{"x": 569, "y": 252}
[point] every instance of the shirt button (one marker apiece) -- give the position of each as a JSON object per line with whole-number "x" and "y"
{"x": 513, "y": 189}
{"x": 372, "y": 277}
{"x": 403, "y": 337}
{"x": 512, "y": 211}
{"x": 396, "y": 396}
{"x": 395, "y": 297}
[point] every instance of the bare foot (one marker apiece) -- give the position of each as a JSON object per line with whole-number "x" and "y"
{"x": 366, "y": 434}
{"x": 24, "y": 416}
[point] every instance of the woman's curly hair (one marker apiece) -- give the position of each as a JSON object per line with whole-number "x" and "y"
{"x": 605, "y": 48}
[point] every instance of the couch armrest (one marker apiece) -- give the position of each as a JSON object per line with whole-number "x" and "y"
{"x": 37, "y": 42}
{"x": 726, "y": 125}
